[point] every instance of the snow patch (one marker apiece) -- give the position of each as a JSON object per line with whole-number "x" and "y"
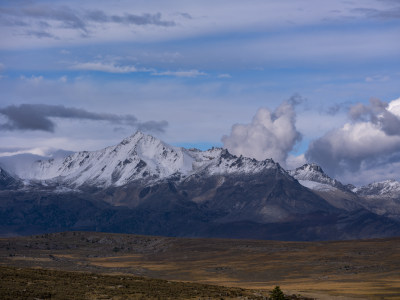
{"x": 317, "y": 186}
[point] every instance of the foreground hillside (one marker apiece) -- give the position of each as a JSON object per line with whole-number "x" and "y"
{"x": 362, "y": 268}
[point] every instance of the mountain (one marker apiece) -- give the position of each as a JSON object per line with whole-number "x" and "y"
{"x": 312, "y": 174}
{"x": 7, "y": 181}
{"x": 313, "y": 177}
{"x": 138, "y": 158}
{"x": 145, "y": 186}
{"x": 387, "y": 188}
{"x": 382, "y": 198}
{"x": 19, "y": 163}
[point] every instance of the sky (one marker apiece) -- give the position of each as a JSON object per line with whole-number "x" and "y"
{"x": 295, "y": 81}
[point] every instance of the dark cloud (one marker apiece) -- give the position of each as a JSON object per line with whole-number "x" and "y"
{"x": 336, "y": 108}
{"x": 128, "y": 19}
{"x": 186, "y": 16}
{"x": 388, "y": 14}
{"x": 40, "y": 34}
{"x": 70, "y": 18}
{"x": 100, "y": 16}
{"x": 74, "y": 19}
{"x": 38, "y": 117}
{"x": 376, "y": 113}
{"x": 97, "y": 16}
{"x": 371, "y": 139}
{"x": 10, "y": 22}
{"x": 145, "y": 19}
{"x": 296, "y": 99}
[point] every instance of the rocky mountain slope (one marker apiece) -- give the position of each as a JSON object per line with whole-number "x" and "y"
{"x": 7, "y": 181}
{"x": 382, "y": 198}
{"x": 313, "y": 177}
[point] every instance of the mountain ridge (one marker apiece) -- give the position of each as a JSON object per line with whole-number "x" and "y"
{"x": 139, "y": 157}
{"x": 143, "y": 185}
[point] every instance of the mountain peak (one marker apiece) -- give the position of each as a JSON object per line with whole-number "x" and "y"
{"x": 135, "y": 137}
{"x": 314, "y": 173}
{"x": 387, "y": 188}
{"x": 311, "y": 167}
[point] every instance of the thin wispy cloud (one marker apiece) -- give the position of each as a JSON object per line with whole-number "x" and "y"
{"x": 129, "y": 19}
{"x": 104, "y": 67}
{"x": 383, "y": 14}
{"x": 40, "y": 34}
{"x": 189, "y": 73}
{"x": 77, "y": 19}
{"x": 377, "y": 78}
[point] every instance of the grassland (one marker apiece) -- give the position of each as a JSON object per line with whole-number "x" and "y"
{"x": 366, "y": 269}
{"x": 50, "y": 284}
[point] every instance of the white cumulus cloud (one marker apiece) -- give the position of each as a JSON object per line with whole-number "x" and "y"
{"x": 269, "y": 135}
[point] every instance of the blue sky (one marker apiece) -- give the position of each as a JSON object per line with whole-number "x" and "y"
{"x": 188, "y": 71}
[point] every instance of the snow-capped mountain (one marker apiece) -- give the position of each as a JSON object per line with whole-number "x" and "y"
{"x": 387, "y": 188}
{"x": 139, "y": 157}
{"x": 313, "y": 177}
{"x": 143, "y": 185}
{"x": 382, "y": 198}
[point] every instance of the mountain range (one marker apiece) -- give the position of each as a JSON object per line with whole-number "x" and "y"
{"x": 145, "y": 186}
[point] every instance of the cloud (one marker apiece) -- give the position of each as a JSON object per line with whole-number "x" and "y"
{"x": 383, "y": 14}
{"x": 75, "y": 19}
{"x": 334, "y": 109}
{"x": 69, "y": 17}
{"x": 372, "y": 139}
{"x": 40, "y": 34}
{"x": 190, "y": 73}
{"x": 293, "y": 162}
{"x": 100, "y": 16}
{"x": 377, "y": 78}
{"x": 186, "y": 15}
{"x": 378, "y": 114}
{"x": 269, "y": 135}
{"x": 145, "y": 19}
{"x": 104, "y": 67}
{"x": 224, "y": 75}
{"x": 38, "y": 117}
{"x": 33, "y": 79}
{"x": 296, "y": 99}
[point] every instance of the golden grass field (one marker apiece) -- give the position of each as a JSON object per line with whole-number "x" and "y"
{"x": 362, "y": 269}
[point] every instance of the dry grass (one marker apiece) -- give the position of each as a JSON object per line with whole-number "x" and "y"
{"x": 368, "y": 269}
{"x": 50, "y": 284}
